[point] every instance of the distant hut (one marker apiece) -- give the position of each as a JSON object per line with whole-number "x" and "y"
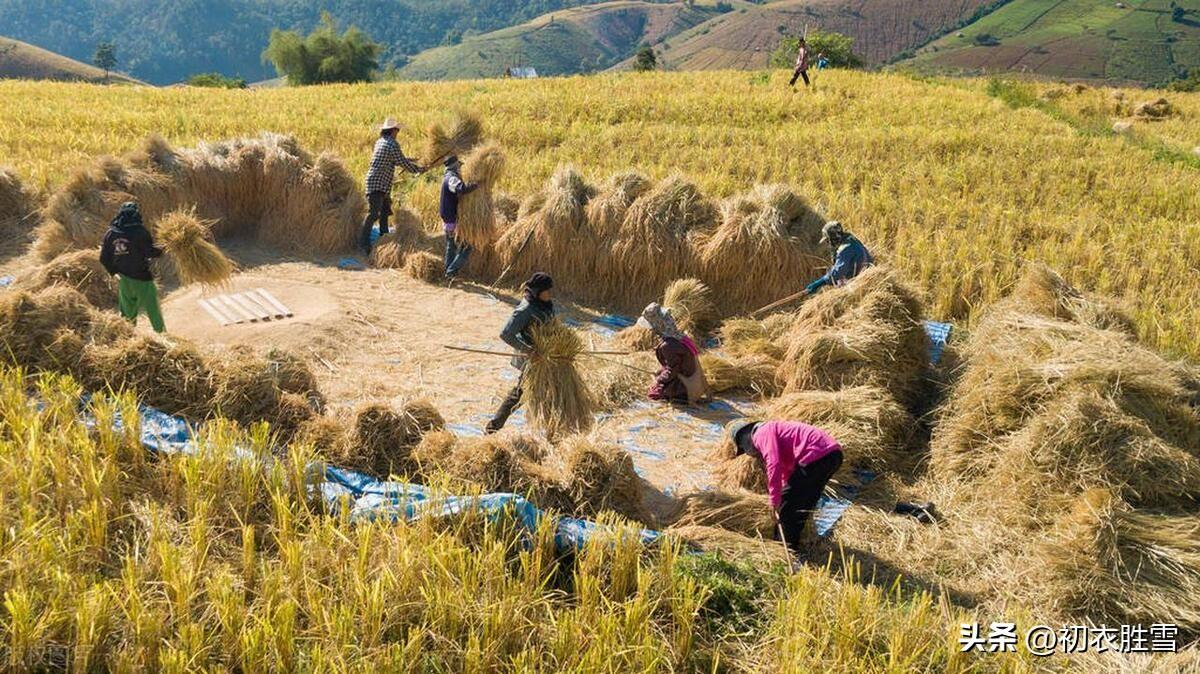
{"x": 521, "y": 72}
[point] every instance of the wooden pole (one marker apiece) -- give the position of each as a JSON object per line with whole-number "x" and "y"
{"x": 779, "y": 303}
{"x": 528, "y": 238}
{"x": 522, "y": 355}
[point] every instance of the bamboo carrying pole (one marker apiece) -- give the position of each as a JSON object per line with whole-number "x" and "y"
{"x": 522, "y": 355}
{"x": 779, "y": 303}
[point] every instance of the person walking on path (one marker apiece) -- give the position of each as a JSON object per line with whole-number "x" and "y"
{"x": 536, "y": 308}
{"x": 453, "y": 189}
{"x": 801, "y": 64}
{"x": 799, "y": 460}
{"x": 850, "y": 257}
{"x": 681, "y": 377}
{"x": 126, "y": 253}
{"x": 380, "y": 176}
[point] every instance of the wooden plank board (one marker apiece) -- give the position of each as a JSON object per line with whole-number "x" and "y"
{"x": 278, "y": 305}
{"x": 257, "y": 296}
{"x": 233, "y": 307}
{"x": 212, "y": 311}
{"x": 256, "y": 313}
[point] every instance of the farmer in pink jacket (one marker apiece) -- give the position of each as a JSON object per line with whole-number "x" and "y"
{"x": 799, "y": 461}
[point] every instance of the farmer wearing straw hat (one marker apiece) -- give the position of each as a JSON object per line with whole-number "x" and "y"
{"x": 380, "y": 176}
{"x": 453, "y": 188}
{"x": 681, "y": 377}
{"x": 799, "y": 460}
{"x": 536, "y": 308}
{"x": 850, "y": 257}
{"x": 126, "y": 253}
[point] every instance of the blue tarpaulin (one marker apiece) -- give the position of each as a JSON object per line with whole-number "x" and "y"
{"x": 939, "y": 335}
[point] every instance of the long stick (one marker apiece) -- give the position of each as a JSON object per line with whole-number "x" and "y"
{"x": 520, "y": 250}
{"x": 774, "y": 305}
{"x": 617, "y": 362}
{"x": 788, "y": 551}
{"x": 522, "y": 355}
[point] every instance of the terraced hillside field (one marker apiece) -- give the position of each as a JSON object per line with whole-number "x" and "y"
{"x": 1138, "y": 41}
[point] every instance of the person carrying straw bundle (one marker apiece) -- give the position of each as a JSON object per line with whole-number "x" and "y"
{"x": 535, "y": 309}
{"x": 799, "y": 460}
{"x": 126, "y": 253}
{"x": 380, "y": 176}
{"x": 850, "y": 257}
{"x": 680, "y": 378}
{"x": 453, "y": 188}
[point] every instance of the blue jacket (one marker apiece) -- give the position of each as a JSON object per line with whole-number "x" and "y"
{"x": 850, "y": 259}
{"x": 453, "y": 188}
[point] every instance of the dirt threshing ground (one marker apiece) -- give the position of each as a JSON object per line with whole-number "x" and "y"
{"x": 378, "y": 335}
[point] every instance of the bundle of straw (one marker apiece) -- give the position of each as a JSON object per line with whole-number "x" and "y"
{"x": 424, "y": 266}
{"x": 16, "y": 208}
{"x": 406, "y": 235}
{"x": 752, "y": 373}
{"x": 383, "y": 437}
{"x": 80, "y": 270}
{"x": 551, "y": 233}
{"x": 1042, "y": 290}
{"x": 742, "y": 512}
{"x": 691, "y": 305}
{"x": 174, "y": 378}
{"x": 463, "y": 133}
{"x": 601, "y": 477}
{"x": 558, "y": 400}
{"x": 870, "y": 425}
{"x": 741, "y": 472}
{"x": 607, "y": 211}
{"x": 187, "y": 241}
{"x": 483, "y": 167}
{"x": 732, "y": 546}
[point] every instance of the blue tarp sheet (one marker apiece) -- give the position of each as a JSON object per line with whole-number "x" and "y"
{"x": 372, "y": 499}
{"x": 939, "y": 335}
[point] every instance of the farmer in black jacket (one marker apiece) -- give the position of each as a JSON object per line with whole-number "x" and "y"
{"x": 453, "y": 189}
{"x": 534, "y": 310}
{"x": 126, "y": 252}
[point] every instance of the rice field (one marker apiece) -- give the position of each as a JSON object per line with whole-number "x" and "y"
{"x": 949, "y": 184}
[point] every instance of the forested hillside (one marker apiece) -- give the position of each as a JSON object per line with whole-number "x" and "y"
{"x": 165, "y": 41}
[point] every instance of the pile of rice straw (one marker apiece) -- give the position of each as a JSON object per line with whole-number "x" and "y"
{"x": 601, "y": 477}
{"x": 872, "y": 428}
{"x": 496, "y": 463}
{"x": 424, "y": 266}
{"x": 483, "y": 167}
{"x": 405, "y": 235}
{"x": 80, "y": 270}
{"x": 188, "y": 244}
{"x": 756, "y": 551}
{"x": 558, "y": 401}
{"x": 17, "y": 207}
{"x": 606, "y": 212}
{"x": 267, "y": 188}
{"x": 741, "y": 472}
{"x": 560, "y": 239}
{"x": 383, "y": 438}
{"x": 752, "y": 373}
{"x": 741, "y": 512}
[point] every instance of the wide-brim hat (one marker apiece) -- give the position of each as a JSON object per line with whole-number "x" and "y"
{"x": 389, "y": 124}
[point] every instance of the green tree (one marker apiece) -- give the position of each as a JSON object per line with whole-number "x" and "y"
{"x": 323, "y": 56}
{"x": 216, "y": 81}
{"x": 645, "y": 60}
{"x": 105, "y": 57}
{"x": 836, "y": 47}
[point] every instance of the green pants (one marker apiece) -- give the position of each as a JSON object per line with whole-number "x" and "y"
{"x": 135, "y": 296}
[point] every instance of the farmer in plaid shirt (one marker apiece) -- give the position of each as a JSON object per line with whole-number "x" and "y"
{"x": 380, "y": 176}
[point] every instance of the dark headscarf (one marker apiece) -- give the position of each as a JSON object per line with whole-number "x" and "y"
{"x": 535, "y": 285}
{"x": 128, "y": 216}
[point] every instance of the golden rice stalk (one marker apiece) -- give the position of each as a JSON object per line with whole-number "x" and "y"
{"x": 655, "y": 242}
{"x": 636, "y": 338}
{"x": 691, "y": 305}
{"x": 607, "y": 211}
{"x": 462, "y": 134}
{"x": 742, "y": 512}
{"x": 80, "y": 270}
{"x": 424, "y": 266}
{"x": 732, "y": 546}
{"x": 751, "y": 374}
{"x": 741, "y": 472}
{"x": 558, "y": 400}
{"x": 476, "y": 213}
{"x": 1116, "y": 564}
{"x": 774, "y": 227}
{"x": 187, "y": 241}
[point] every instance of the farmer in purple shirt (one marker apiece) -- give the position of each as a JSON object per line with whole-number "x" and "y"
{"x": 799, "y": 460}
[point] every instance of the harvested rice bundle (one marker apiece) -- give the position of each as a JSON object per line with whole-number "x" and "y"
{"x": 506, "y": 207}
{"x": 328, "y": 435}
{"x": 187, "y": 241}
{"x": 406, "y": 235}
{"x": 17, "y": 213}
{"x": 245, "y": 389}
{"x": 425, "y": 267}
{"x": 868, "y": 332}
{"x": 291, "y": 414}
{"x": 558, "y": 400}
{"x": 551, "y": 233}
{"x": 433, "y": 452}
{"x": 384, "y": 438}
{"x": 636, "y": 338}
{"x": 655, "y": 242}
{"x": 742, "y": 512}
{"x": 65, "y": 354}
{"x": 462, "y": 134}
{"x": 691, "y": 305}
{"x": 1113, "y": 564}
{"x": 750, "y": 337}
{"x": 174, "y": 378}
{"x": 476, "y": 213}
{"x": 499, "y": 463}
{"x": 872, "y": 428}
{"x": 741, "y": 472}
{"x": 293, "y": 375}
{"x": 732, "y": 546}
{"x": 1159, "y": 108}
{"x": 614, "y": 386}
{"x": 29, "y": 322}
{"x": 1042, "y": 290}
{"x": 779, "y": 231}
{"x": 80, "y": 270}
{"x": 601, "y": 477}
{"x": 752, "y": 374}
{"x": 606, "y": 212}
